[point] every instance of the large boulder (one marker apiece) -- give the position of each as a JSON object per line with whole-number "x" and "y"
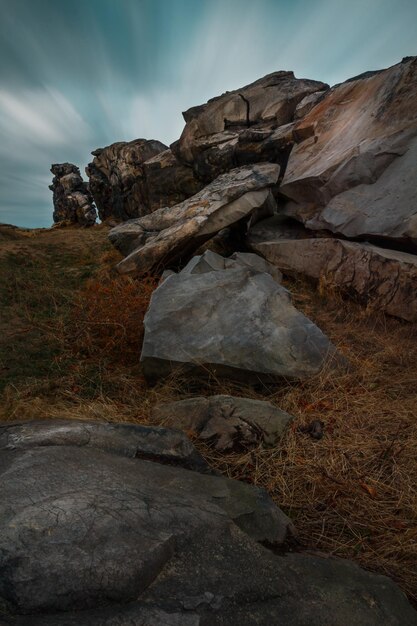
{"x": 73, "y": 202}
{"x": 226, "y": 421}
{"x": 117, "y": 178}
{"x": 236, "y": 323}
{"x": 356, "y": 175}
{"x": 170, "y": 235}
{"x": 384, "y": 279}
{"x": 95, "y": 537}
{"x": 242, "y": 126}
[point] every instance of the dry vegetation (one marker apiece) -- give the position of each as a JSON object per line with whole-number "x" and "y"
{"x": 70, "y": 337}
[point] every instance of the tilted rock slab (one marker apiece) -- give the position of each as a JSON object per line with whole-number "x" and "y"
{"x": 226, "y": 421}
{"x": 356, "y": 175}
{"x": 72, "y": 199}
{"x": 213, "y": 262}
{"x": 94, "y": 537}
{"x": 171, "y": 234}
{"x": 385, "y": 279}
{"x": 238, "y": 127}
{"x": 236, "y": 323}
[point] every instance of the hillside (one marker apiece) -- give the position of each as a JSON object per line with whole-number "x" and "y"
{"x": 70, "y": 336}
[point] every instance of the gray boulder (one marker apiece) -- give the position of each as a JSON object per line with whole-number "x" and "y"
{"x": 96, "y": 538}
{"x": 211, "y": 262}
{"x": 356, "y": 174}
{"x": 171, "y": 234}
{"x": 227, "y": 421}
{"x": 236, "y": 323}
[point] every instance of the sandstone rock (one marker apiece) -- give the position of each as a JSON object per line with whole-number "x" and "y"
{"x": 73, "y": 202}
{"x": 168, "y": 181}
{"x": 241, "y": 126}
{"x": 385, "y": 279}
{"x": 96, "y": 538}
{"x": 308, "y": 103}
{"x": 210, "y": 261}
{"x": 226, "y": 420}
{"x": 236, "y": 323}
{"x": 171, "y": 234}
{"x": 117, "y": 178}
{"x": 356, "y": 176}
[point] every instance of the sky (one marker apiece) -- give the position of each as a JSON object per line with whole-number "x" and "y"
{"x": 76, "y": 75}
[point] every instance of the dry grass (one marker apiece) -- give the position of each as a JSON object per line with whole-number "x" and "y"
{"x": 353, "y": 493}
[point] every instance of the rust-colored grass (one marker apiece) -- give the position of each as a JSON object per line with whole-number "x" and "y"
{"x": 351, "y": 494}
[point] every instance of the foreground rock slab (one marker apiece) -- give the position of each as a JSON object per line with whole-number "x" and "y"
{"x": 171, "y": 234}
{"x": 236, "y": 323}
{"x": 72, "y": 199}
{"x": 356, "y": 175}
{"x": 226, "y": 421}
{"x": 383, "y": 279}
{"x": 89, "y": 536}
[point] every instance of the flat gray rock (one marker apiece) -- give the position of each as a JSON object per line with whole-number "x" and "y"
{"x": 173, "y": 233}
{"x": 226, "y": 421}
{"x": 96, "y": 538}
{"x": 236, "y": 323}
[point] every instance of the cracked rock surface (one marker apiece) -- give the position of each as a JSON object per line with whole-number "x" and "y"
{"x": 92, "y": 536}
{"x": 72, "y": 199}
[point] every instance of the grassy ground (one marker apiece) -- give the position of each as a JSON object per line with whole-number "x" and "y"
{"x": 70, "y": 335}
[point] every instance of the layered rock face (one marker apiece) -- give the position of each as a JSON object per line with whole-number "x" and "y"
{"x": 97, "y": 535}
{"x": 72, "y": 199}
{"x": 131, "y": 179}
{"x": 356, "y": 175}
{"x": 243, "y": 126}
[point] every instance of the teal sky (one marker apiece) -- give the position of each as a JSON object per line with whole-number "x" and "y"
{"x": 76, "y": 75}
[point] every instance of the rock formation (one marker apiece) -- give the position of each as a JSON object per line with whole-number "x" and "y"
{"x": 72, "y": 200}
{"x": 170, "y": 234}
{"x": 95, "y": 535}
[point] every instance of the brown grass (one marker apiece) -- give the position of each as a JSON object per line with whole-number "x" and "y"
{"x": 353, "y": 493}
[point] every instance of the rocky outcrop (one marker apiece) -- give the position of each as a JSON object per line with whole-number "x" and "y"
{"x": 117, "y": 178}
{"x": 213, "y": 262}
{"x": 225, "y": 421}
{"x": 242, "y": 126}
{"x": 73, "y": 203}
{"x": 170, "y": 234}
{"x": 385, "y": 280}
{"x": 356, "y": 175}
{"x": 235, "y": 323}
{"x": 90, "y": 535}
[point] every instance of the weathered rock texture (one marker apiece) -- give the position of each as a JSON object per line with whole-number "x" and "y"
{"x": 171, "y": 234}
{"x": 242, "y": 126}
{"x": 226, "y": 421}
{"x": 73, "y": 202}
{"x": 213, "y": 262}
{"x": 384, "y": 279}
{"x": 356, "y": 174}
{"x": 94, "y": 537}
{"x": 237, "y": 323}
{"x": 117, "y": 178}
{"x": 132, "y": 179}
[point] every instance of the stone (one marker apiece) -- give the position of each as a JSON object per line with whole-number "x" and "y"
{"x": 168, "y": 181}
{"x": 210, "y": 261}
{"x": 307, "y": 103}
{"x": 170, "y": 235}
{"x": 96, "y": 538}
{"x": 386, "y": 280}
{"x": 242, "y": 126}
{"x": 117, "y": 178}
{"x": 235, "y": 323}
{"x": 73, "y": 203}
{"x": 356, "y": 175}
{"x": 226, "y": 421}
